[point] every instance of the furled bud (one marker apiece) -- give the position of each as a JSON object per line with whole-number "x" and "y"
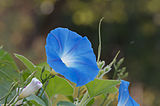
{"x": 31, "y": 88}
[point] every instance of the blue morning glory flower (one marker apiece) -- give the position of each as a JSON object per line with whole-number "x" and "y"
{"x": 71, "y": 55}
{"x": 124, "y": 99}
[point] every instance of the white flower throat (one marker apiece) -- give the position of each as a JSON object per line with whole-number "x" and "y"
{"x": 67, "y": 60}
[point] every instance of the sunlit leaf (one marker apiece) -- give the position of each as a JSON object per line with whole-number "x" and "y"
{"x": 100, "y": 86}
{"x": 47, "y": 67}
{"x": 26, "y": 62}
{"x": 59, "y": 85}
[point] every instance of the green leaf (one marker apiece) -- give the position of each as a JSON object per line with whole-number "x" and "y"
{"x": 100, "y": 86}
{"x": 36, "y": 99}
{"x": 26, "y": 62}
{"x": 47, "y": 67}
{"x": 25, "y": 74}
{"x": 38, "y": 68}
{"x": 59, "y": 85}
{"x": 65, "y": 103}
{"x": 111, "y": 90}
{"x": 8, "y": 72}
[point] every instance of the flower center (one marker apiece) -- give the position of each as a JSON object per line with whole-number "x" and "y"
{"x": 65, "y": 60}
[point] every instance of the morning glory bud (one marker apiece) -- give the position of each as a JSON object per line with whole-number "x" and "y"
{"x": 31, "y": 88}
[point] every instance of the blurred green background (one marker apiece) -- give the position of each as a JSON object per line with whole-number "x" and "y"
{"x": 131, "y": 26}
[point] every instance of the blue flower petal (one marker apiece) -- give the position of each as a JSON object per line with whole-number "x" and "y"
{"x": 124, "y": 99}
{"x": 71, "y": 55}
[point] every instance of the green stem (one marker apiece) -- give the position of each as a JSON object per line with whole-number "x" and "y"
{"x": 12, "y": 99}
{"x": 10, "y": 91}
{"x": 42, "y": 92}
{"x": 78, "y": 92}
{"x": 109, "y": 102}
{"x": 38, "y": 92}
{"x": 99, "y": 33}
{"x": 87, "y": 101}
{"x": 28, "y": 79}
{"x": 44, "y": 88}
{"x": 2, "y": 97}
{"x": 101, "y": 76}
{"x": 114, "y": 60}
{"x": 85, "y": 97}
{"x": 15, "y": 102}
{"x": 104, "y": 100}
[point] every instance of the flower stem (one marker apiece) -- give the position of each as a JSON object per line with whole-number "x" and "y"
{"x": 104, "y": 100}
{"x": 15, "y": 102}
{"x": 13, "y": 98}
{"x": 29, "y": 78}
{"x": 85, "y": 97}
{"x": 44, "y": 89}
{"x": 3, "y": 97}
{"x": 78, "y": 92}
{"x": 10, "y": 91}
{"x": 99, "y": 33}
{"x": 87, "y": 101}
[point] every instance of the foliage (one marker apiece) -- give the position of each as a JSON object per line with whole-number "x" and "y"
{"x": 100, "y": 86}
{"x": 39, "y": 85}
{"x": 52, "y": 87}
{"x": 8, "y": 72}
{"x": 59, "y": 85}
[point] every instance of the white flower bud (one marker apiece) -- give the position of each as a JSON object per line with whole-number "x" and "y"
{"x": 31, "y": 88}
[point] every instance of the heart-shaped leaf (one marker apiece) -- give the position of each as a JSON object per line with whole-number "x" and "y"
{"x": 59, "y": 85}
{"x": 99, "y": 86}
